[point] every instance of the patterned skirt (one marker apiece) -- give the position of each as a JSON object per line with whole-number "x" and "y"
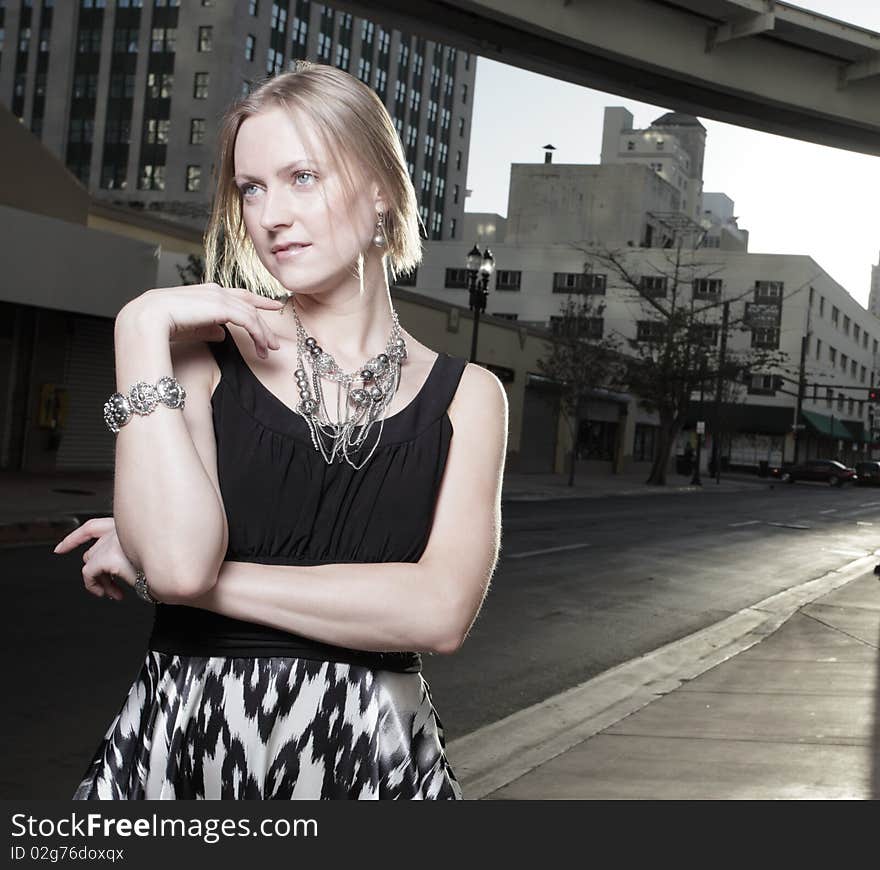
{"x": 272, "y": 728}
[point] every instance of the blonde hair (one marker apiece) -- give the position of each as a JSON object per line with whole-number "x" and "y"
{"x": 356, "y": 131}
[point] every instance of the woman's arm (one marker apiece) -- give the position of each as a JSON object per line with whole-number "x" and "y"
{"x": 167, "y": 507}
{"x": 428, "y": 605}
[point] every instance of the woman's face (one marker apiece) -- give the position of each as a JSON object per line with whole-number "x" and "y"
{"x": 291, "y": 195}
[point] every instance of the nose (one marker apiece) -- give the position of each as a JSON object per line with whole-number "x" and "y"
{"x": 275, "y": 212}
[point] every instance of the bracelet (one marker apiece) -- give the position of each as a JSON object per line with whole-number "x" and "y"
{"x": 140, "y": 586}
{"x": 142, "y": 398}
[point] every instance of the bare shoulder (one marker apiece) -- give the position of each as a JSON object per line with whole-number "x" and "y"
{"x": 480, "y": 395}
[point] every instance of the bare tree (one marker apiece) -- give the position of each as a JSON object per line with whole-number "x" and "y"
{"x": 582, "y": 359}
{"x": 679, "y": 345}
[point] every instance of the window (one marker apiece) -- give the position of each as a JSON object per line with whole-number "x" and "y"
{"x": 156, "y": 131}
{"x": 250, "y": 45}
{"x": 206, "y": 38}
{"x": 343, "y": 56}
{"x": 768, "y": 291}
{"x": 843, "y": 360}
{"x": 324, "y": 43}
{"x": 765, "y": 337}
{"x": 761, "y": 384}
{"x": 458, "y": 163}
{"x": 875, "y": 345}
{"x": 840, "y": 401}
{"x": 193, "y": 177}
{"x": 650, "y": 330}
{"x": 461, "y": 123}
{"x": 630, "y": 145}
{"x": 504, "y": 316}
{"x": 274, "y": 61}
{"x": 455, "y": 191}
{"x": 862, "y": 374}
{"x": 584, "y": 327}
{"x": 163, "y": 39}
{"x": 829, "y": 397}
{"x": 152, "y": 177}
{"x": 159, "y": 85}
{"x": 835, "y": 315}
{"x": 853, "y": 368}
{"x": 506, "y": 279}
{"x": 252, "y": 7}
{"x": 818, "y": 348}
{"x": 464, "y": 92}
{"x": 364, "y": 70}
{"x": 865, "y": 340}
{"x": 856, "y": 332}
{"x": 456, "y": 279}
{"x": 197, "y": 131}
{"x": 832, "y": 355}
{"x": 846, "y": 324}
{"x": 653, "y": 286}
{"x": 200, "y": 86}
{"x": 821, "y": 306}
{"x": 707, "y": 288}
{"x": 452, "y": 224}
{"x": 578, "y": 282}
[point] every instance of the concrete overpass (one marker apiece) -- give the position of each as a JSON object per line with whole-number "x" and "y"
{"x": 756, "y": 63}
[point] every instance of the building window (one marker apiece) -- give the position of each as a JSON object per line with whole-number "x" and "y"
{"x": 507, "y": 279}
{"x": 156, "y": 131}
{"x": 821, "y": 306}
{"x": 193, "y": 177}
{"x": 846, "y": 324}
{"x": 761, "y": 385}
{"x": 452, "y": 225}
{"x": 653, "y": 286}
{"x": 197, "y": 131}
{"x": 650, "y": 330}
{"x": 206, "y": 38}
{"x": 579, "y": 282}
{"x": 863, "y": 374}
{"x": 364, "y": 69}
{"x": 829, "y": 397}
{"x": 324, "y": 45}
{"x": 163, "y": 39}
{"x": 857, "y": 332}
{"x": 456, "y": 279}
{"x": 343, "y": 56}
{"x": 253, "y": 7}
{"x": 832, "y": 355}
{"x": 152, "y": 177}
{"x": 504, "y": 315}
{"x": 250, "y": 45}
{"x": 707, "y": 288}
{"x": 768, "y": 291}
{"x": 835, "y": 315}
{"x": 818, "y": 348}
{"x": 200, "y": 86}
{"x": 458, "y": 159}
{"x": 843, "y": 359}
{"x": 852, "y": 368}
{"x": 159, "y": 85}
{"x": 274, "y": 61}
{"x": 765, "y": 337}
{"x": 840, "y": 401}
{"x": 584, "y": 327}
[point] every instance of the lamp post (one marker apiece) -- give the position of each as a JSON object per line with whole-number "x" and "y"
{"x": 480, "y": 266}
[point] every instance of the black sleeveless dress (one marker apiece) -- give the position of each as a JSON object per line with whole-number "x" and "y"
{"x": 227, "y": 709}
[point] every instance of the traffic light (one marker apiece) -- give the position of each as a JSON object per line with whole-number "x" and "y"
{"x": 874, "y": 395}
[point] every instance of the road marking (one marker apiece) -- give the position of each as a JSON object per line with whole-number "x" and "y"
{"x": 746, "y": 523}
{"x": 545, "y": 550}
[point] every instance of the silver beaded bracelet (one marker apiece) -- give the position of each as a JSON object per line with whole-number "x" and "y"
{"x": 140, "y": 586}
{"x": 142, "y": 398}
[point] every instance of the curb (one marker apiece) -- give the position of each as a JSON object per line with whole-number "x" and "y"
{"x": 496, "y": 754}
{"x": 554, "y": 495}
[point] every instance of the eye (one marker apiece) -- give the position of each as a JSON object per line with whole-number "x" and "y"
{"x": 244, "y": 188}
{"x": 304, "y": 172}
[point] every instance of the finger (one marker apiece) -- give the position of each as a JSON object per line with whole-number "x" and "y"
{"x": 112, "y": 587}
{"x": 92, "y": 528}
{"x": 259, "y": 299}
{"x": 247, "y": 317}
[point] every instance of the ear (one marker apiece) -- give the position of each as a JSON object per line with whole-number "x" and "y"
{"x": 379, "y": 202}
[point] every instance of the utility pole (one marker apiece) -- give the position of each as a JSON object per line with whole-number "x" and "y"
{"x": 716, "y": 426}
{"x": 805, "y": 340}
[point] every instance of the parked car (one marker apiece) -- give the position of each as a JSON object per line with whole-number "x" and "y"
{"x": 827, "y": 470}
{"x": 868, "y": 473}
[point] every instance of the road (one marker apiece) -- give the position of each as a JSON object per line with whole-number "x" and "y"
{"x": 582, "y": 585}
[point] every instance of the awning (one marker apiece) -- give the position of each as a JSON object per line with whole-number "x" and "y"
{"x": 756, "y": 419}
{"x": 834, "y": 427}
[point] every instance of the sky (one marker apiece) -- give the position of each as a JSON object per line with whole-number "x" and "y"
{"x": 792, "y": 196}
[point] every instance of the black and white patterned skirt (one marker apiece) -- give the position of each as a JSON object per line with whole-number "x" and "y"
{"x": 272, "y": 728}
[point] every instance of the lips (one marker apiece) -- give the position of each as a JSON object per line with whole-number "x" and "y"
{"x": 287, "y": 245}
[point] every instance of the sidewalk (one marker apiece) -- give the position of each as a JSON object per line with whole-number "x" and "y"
{"x": 778, "y": 701}
{"x": 43, "y": 508}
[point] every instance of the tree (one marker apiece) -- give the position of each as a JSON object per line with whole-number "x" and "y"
{"x": 581, "y": 359}
{"x": 679, "y": 344}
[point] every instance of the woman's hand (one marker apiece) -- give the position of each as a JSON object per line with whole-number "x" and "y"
{"x": 104, "y": 562}
{"x": 198, "y": 311}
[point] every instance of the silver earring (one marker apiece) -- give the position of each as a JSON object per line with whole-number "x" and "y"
{"x": 379, "y": 239}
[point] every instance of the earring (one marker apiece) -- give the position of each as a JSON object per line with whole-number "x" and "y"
{"x": 379, "y": 239}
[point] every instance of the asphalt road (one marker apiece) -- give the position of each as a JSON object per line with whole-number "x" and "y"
{"x": 582, "y": 585}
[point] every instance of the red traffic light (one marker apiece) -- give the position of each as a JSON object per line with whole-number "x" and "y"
{"x": 873, "y": 395}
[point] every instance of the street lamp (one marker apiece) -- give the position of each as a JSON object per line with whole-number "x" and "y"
{"x": 480, "y": 266}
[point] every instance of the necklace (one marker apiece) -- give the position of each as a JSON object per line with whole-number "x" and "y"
{"x": 379, "y": 376}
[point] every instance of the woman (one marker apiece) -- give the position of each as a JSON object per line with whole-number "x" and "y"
{"x": 303, "y": 541}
